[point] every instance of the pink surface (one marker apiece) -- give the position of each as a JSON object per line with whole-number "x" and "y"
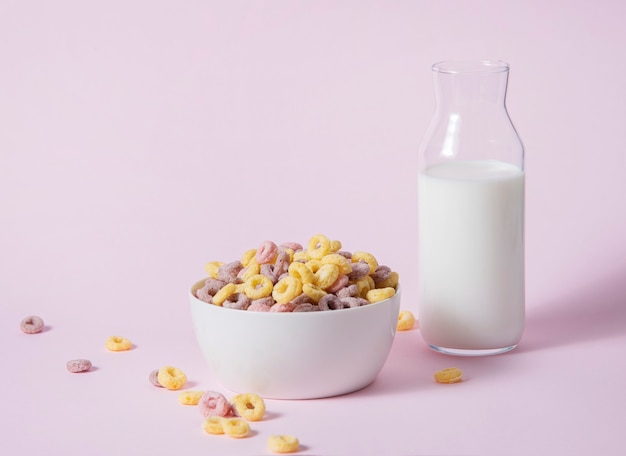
{"x": 139, "y": 140}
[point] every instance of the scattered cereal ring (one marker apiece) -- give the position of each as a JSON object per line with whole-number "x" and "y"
{"x": 171, "y": 377}
{"x": 380, "y": 294}
{"x": 154, "y": 378}
{"x": 32, "y": 325}
{"x": 225, "y": 292}
{"x": 406, "y": 320}
{"x": 283, "y": 443}
{"x": 258, "y": 286}
{"x": 213, "y": 425}
{"x": 249, "y": 406}
{"x": 449, "y": 375}
{"x": 367, "y": 257}
{"x": 314, "y": 292}
{"x": 318, "y": 246}
{"x": 189, "y": 397}
{"x": 286, "y": 289}
{"x": 235, "y": 427}
{"x": 326, "y": 275}
{"x": 117, "y": 343}
{"x": 212, "y": 403}
{"x": 212, "y": 267}
{"x": 301, "y": 272}
{"x": 267, "y": 252}
{"x": 78, "y": 365}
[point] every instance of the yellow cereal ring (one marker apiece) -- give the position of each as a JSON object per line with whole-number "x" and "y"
{"x": 171, "y": 378}
{"x": 326, "y": 275}
{"x": 258, "y": 286}
{"x": 253, "y": 268}
{"x": 380, "y": 294}
{"x": 406, "y": 320}
{"x": 449, "y": 375}
{"x": 301, "y": 272}
{"x": 318, "y": 246}
{"x": 117, "y": 343}
{"x": 285, "y": 290}
{"x": 364, "y": 285}
{"x": 313, "y": 291}
{"x": 367, "y": 257}
{"x": 314, "y": 265}
{"x": 211, "y": 268}
{"x": 344, "y": 265}
{"x": 189, "y": 397}
{"x": 391, "y": 281}
{"x": 235, "y": 427}
{"x": 283, "y": 443}
{"x": 249, "y": 406}
{"x": 247, "y": 256}
{"x": 301, "y": 255}
{"x": 225, "y": 292}
{"x": 335, "y": 245}
{"x": 213, "y": 425}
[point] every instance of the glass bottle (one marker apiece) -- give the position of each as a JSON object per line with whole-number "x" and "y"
{"x": 471, "y": 214}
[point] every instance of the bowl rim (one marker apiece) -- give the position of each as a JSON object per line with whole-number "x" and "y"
{"x": 323, "y": 312}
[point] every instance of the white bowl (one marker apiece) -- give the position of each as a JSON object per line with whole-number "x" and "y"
{"x": 295, "y": 355}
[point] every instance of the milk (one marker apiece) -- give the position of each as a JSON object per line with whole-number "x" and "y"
{"x": 471, "y": 256}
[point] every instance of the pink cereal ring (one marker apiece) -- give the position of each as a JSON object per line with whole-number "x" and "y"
{"x": 291, "y": 245}
{"x": 287, "y": 307}
{"x": 213, "y": 403}
{"x": 349, "y": 291}
{"x": 306, "y": 307}
{"x": 340, "y": 283}
{"x": 78, "y": 365}
{"x": 351, "y": 301}
{"x": 228, "y": 272}
{"x": 258, "y": 306}
{"x": 266, "y": 253}
{"x": 31, "y": 325}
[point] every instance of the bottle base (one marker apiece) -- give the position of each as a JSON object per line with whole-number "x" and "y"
{"x": 466, "y": 352}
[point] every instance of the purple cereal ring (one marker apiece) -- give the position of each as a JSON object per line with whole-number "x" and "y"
{"x": 347, "y": 292}
{"x": 301, "y": 299}
{"x": 359, "y": 269}
{"x": 266, "y": 253}
{"x": 295, "y": 246}
{"x": 330, "y": 302}
{"x": 213, "y": 403}
{"x": 257, "y": 306}
{"x": 203, "y": 295}
{"x": 213, "y": 285}
{"x": 154, "y": 378}
{"x": 345, "y": 254}
{"x": 352, "y": 301}
{"x": 228, "y": 272}
{"x": 31, "y": 325}
{"x": 237, "y": 301}
{"x": 287, "y": 307}
{"x": 381, "y": 273}
{"x": 282, "y": 263}
{"x": 306, "y": 307}
{"x": 338, "y": 284}
{"x": 78, "y": 365}
{"x": 269, "y": 271}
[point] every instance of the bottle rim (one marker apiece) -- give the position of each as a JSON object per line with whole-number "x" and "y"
{"x": 470, "y": 66}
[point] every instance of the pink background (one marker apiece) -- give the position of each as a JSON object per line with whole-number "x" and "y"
{"x": 139, "y": 140}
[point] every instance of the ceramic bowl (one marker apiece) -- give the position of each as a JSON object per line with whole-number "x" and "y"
{"x": 295, "y": 355}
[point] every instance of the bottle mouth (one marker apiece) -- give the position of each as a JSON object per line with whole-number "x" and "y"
{"x": 470, "y": 66}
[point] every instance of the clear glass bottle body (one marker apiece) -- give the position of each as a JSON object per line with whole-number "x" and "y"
{"x": 471, "y": 214}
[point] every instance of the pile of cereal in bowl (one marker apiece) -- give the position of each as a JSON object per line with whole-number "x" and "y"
{"x": 291, "y": 277}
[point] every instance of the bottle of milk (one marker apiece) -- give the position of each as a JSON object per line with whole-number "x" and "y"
{"x": 471, "y": 214}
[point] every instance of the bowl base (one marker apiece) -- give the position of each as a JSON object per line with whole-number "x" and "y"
{"x": 464, "y": 352}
